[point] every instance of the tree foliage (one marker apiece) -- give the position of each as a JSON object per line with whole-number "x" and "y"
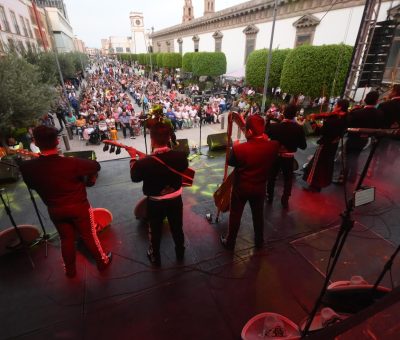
{"x": 70, "y": 64}
{"x": 23, "y": 96}
{"x": 257, "y": 64}
{"x": 172, "y": 60}
{"x": 159, "y": 60}
{"x": 187, "y": 61}
{"x": 316, "y": 70}
{"x": 209, "y": 64}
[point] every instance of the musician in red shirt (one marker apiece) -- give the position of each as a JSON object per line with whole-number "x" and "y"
{"x": 61, "y": 184}
{"x": 253, "y": 162}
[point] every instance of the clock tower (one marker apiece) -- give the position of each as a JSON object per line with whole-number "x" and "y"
{"x": 138, "y": 35}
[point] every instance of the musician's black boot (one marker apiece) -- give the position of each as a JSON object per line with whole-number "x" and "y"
{"x": 154, "y": 258}
{"x": 285, "y": 202}
{"x": 225, "y": 243}
{"x": 70, "y": 271}
{"x": 104, "y": 265}
{"x": 180, "y": 253}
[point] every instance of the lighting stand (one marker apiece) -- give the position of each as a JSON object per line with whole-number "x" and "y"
{"x": 45, "y": 236}
{"x": 345, "y": 228}
{"x": 17, "y": 231}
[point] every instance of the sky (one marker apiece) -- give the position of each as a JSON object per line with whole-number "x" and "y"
{"x": 93, "y": 20}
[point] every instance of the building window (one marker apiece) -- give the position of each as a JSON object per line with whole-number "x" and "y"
{"x": 305, "y": 29}
{"x": 29, "y": 28}
{"x": 11, "y": 45}
{"x": 119, "y": 49}
{"x": 168, "y": 46}
{"x": 180, "y": 42}
{"x": 21, "y": 19}
{"x": 21, "y": 48}
{"x": 251, "y": 38}
{"x": 128, "y": 50}
{"x": 218, "y": 41}
{"x": 5, "y": 25}
{"x": 14, "y": 20}
{"x": 196, "y": 41}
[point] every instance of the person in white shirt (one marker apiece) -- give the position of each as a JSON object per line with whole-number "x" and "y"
{"x": 195, "y": 119}
{"x": 186, "y": 118}
{"x": 178, "y": 116}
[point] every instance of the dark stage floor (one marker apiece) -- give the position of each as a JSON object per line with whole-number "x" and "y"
{"x": 214, "y": 292}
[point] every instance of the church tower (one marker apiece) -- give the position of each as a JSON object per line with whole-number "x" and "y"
{"x": 187, "y": 11}
{"x": 138, "y": 35}
{"x": 209, "y": 7}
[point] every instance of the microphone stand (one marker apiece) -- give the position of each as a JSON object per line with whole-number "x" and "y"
{"x": 17, "y": 231}
{"x": 45, "y": 236}
{"x": 199, "y": 153}
{"x": 345, "y": 228}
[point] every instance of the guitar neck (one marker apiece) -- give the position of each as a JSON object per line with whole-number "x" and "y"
{"x": 123, "y": 146}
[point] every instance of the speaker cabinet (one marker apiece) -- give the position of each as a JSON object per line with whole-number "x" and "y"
{"x": 217, "y": 141}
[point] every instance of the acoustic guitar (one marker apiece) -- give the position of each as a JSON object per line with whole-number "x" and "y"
{"x": 187, "y": 175}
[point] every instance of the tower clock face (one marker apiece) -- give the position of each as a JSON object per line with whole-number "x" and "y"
{"x": 138, "y": 22}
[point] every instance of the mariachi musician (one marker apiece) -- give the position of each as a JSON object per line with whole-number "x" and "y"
{"x": 366, "y": 117}
{"x": 291, "y": 136}
{"x": 157, "y": 116}
{"x": 252, "y": 161}
{"x": 391, "y": 109}
{"x": 162, "y": 184}
{"x": 318, "y": 172}
{"x": 61, "y": 184}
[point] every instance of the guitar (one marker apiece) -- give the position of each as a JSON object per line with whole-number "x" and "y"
{"x": 187, "y": 175}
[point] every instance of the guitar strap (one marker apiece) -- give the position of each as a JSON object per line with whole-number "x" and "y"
{"x": 172, "y": 169}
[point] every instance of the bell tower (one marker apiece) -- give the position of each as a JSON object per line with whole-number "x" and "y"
{"x": 209, "y": 6}
{"x": 187, "y": 11}
{"x": 137, "y": 30}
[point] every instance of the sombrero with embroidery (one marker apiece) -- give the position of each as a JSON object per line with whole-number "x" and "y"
{"x": 270, "y": 326}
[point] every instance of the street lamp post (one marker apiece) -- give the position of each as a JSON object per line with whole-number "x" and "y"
{"x": 151, "y": 53}
{"x": 269, "y": 58}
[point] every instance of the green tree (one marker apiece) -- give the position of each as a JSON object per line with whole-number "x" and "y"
{"x": 316, "y": 70}
{"x": 209, "y": 64}
{"x": 160, "y": 57}
{"x": 23, "y": 96}
{"x": 172, "y": 60}
{"x": 187, "y": 61}
{"x": 80, "y": 61}
{"x": 257, "y": 64}
{"x": 143, "y": 59}
{"x": 67, "y": 65}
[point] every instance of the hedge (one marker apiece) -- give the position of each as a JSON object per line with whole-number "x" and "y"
{"x": 209, "y": 64}
{"x": 172, "y": 60}
{"x": 187, "y": 61}
{"x": 311, "y": 70}
{"x": 257, "y": 64}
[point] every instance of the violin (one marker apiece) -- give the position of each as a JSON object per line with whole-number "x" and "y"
{"x": 324, "y": 115}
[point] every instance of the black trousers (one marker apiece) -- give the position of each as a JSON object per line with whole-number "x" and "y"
{"x": 286, "y": 165}
{"x": 73, "y": 219}
{"x": 127, "y": 126}
{"x": 156, "y": 212}
{"x": 354, "y": 147}
{"x": 238, "y": 201}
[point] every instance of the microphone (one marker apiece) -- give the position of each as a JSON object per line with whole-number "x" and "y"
{"x": 376, "y": 132}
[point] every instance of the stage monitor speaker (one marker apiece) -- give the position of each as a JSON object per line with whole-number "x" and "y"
{"x": 82, "y": 154}
{"x": 9, "y": 171}
{"x": 217, "y": 141}
{"x": 183, "y": 146}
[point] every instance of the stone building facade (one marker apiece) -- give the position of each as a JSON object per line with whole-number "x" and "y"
{"x": 239, "y": 30}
